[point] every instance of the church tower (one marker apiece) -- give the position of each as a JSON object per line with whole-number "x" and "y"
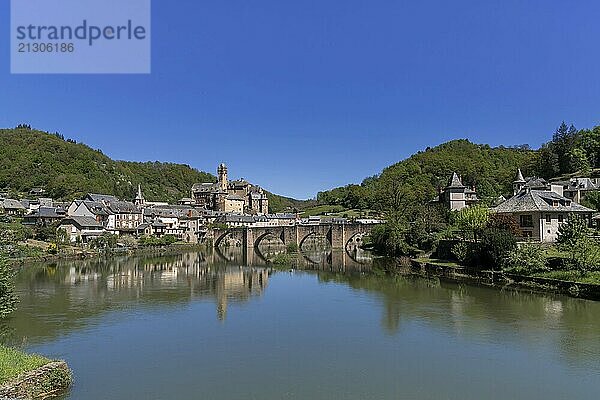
{"x": 139, "y": 198}
{"x": 222, "y": 174}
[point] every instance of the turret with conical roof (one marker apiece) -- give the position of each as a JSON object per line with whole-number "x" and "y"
{"x": 519, "y": 182}
{"x": 455, "y": 181}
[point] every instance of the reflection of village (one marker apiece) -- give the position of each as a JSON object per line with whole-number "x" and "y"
{"x": 228, "y": 275}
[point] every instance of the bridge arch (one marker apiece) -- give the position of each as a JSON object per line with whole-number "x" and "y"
{"x": 224, "y": 234}
{"x": 276, "y": 233}
{"x": 312, "y": 232}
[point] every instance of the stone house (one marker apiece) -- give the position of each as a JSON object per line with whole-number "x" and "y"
{"x": 456, "y": 196}
{"x": 12, "y": 207}
{"x": 539, "y": 209}
{"x": 45, "y": 216}
{"x": 81, "y": 229}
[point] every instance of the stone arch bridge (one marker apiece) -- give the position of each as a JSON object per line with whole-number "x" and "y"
{"x": 338, "y": 235}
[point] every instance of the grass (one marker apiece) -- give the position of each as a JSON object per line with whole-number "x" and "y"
{"x": 434, "y": 261}
{"x": 574, "y": 276}
{"x": 14, "y": 362}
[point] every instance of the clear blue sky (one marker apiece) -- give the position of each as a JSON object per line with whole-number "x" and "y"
{"x": 301, "y": 96}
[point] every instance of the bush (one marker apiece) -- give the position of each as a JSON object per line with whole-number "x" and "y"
{"x": 584, "y": 255}
{"x": 292, "y": 248}
{"x": 570, "y": 232}
{"x": 461, "y": 251}
{"x": 496, "y": 244}
{"x": 527, "y": 259}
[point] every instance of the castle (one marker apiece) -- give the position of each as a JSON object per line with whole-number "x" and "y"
{"x": 239, "y": 196}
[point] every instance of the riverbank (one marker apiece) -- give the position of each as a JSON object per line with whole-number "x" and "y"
{"x": 31, "y": 376}
{"x": 551, "y": 283}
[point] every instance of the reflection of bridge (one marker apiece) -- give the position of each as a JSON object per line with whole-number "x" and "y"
{"x": 338, "y": 235}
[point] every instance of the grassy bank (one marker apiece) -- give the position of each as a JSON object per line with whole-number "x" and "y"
{"x": 14, "y": 362}
{"x": 572, "y": 276}
{"x": 30, "y": 376}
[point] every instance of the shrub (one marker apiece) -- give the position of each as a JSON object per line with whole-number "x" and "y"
{"x": 461, "y": 251}
{"x": 8, "y": 299}
{"x": 292, "y": 248}
{"x": 527, "y": 259}
{"x": 496, "y": 244}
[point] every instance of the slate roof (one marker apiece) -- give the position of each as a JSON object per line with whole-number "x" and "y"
{"x": 536, "y": 183}
{"x": 281, "y": 216}
{"x": 123, "y": 207}
{"x": 577, "y": 184}
{"x": 101, "y": 197}
{"x": 539, "y": 200}
{"x": 12, "y": 204}
{"x": 519, "y": 178}
{"x": 96, "y": 207}
{"x": 47, "y": 212}
{"x": 455, "y": 182}
{"x": 82, "y": 222}
{"x": 234, "y": 197}
{"x": 236, "y": 218}
{"x": 205, "y": 187}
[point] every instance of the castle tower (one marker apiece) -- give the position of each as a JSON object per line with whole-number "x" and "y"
{"x": 139, "y": 198}
{"x": 222, "y": 174}
{"x": 518, "y": 182}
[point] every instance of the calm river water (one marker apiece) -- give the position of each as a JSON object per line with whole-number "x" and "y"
{"x": 210, "y": 326}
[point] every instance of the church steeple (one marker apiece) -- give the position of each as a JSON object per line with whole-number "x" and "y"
{"x": 139, "y": 198}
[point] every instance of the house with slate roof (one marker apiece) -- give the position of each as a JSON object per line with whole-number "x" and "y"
{"x": 455, "y": 195}
{"x": 81, "y": 229}
{"x": 539, "y": 208}
{"x": 12, "y": 207}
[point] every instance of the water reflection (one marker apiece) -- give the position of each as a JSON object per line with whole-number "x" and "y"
{"x": 57, "y": 298}
{"x": 479, "y": 313}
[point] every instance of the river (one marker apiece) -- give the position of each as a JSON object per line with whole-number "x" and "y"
{"x": 226, "y": 326}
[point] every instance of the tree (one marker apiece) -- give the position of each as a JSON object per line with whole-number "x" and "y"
{"x": 391, "y": 238}
{"x": 496, "y": 245}
{"x": 579, "y": 161}
{"x": 570, "y": 232}
{"x": 472, "y": 220}
{"x": 8, "y": 299}
{"x": 573, "y": 238}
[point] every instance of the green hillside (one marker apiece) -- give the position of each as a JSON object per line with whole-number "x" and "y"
{"x": 416, "y": 180}
{"x": 68, "y": 170}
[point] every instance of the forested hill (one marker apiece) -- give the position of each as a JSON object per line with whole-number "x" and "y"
{"x": 68, "y": 170}
{"x": 416, "y": 180}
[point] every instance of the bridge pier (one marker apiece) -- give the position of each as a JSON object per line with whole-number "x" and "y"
{"x": 338, "y": 236}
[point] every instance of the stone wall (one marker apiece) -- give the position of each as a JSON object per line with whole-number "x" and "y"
{"x": 44, "y": 382}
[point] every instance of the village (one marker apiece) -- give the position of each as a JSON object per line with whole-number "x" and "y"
{"x": 226, "y": 203}
{"x": 538, "y": 206}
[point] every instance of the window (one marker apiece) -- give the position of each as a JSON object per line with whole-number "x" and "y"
{"x": 560, "y": 218}
{"x": 548, "y": 218}
{"x": 526, "y": 221}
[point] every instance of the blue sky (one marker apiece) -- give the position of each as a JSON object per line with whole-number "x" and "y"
{"x": 301, "y": 96}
